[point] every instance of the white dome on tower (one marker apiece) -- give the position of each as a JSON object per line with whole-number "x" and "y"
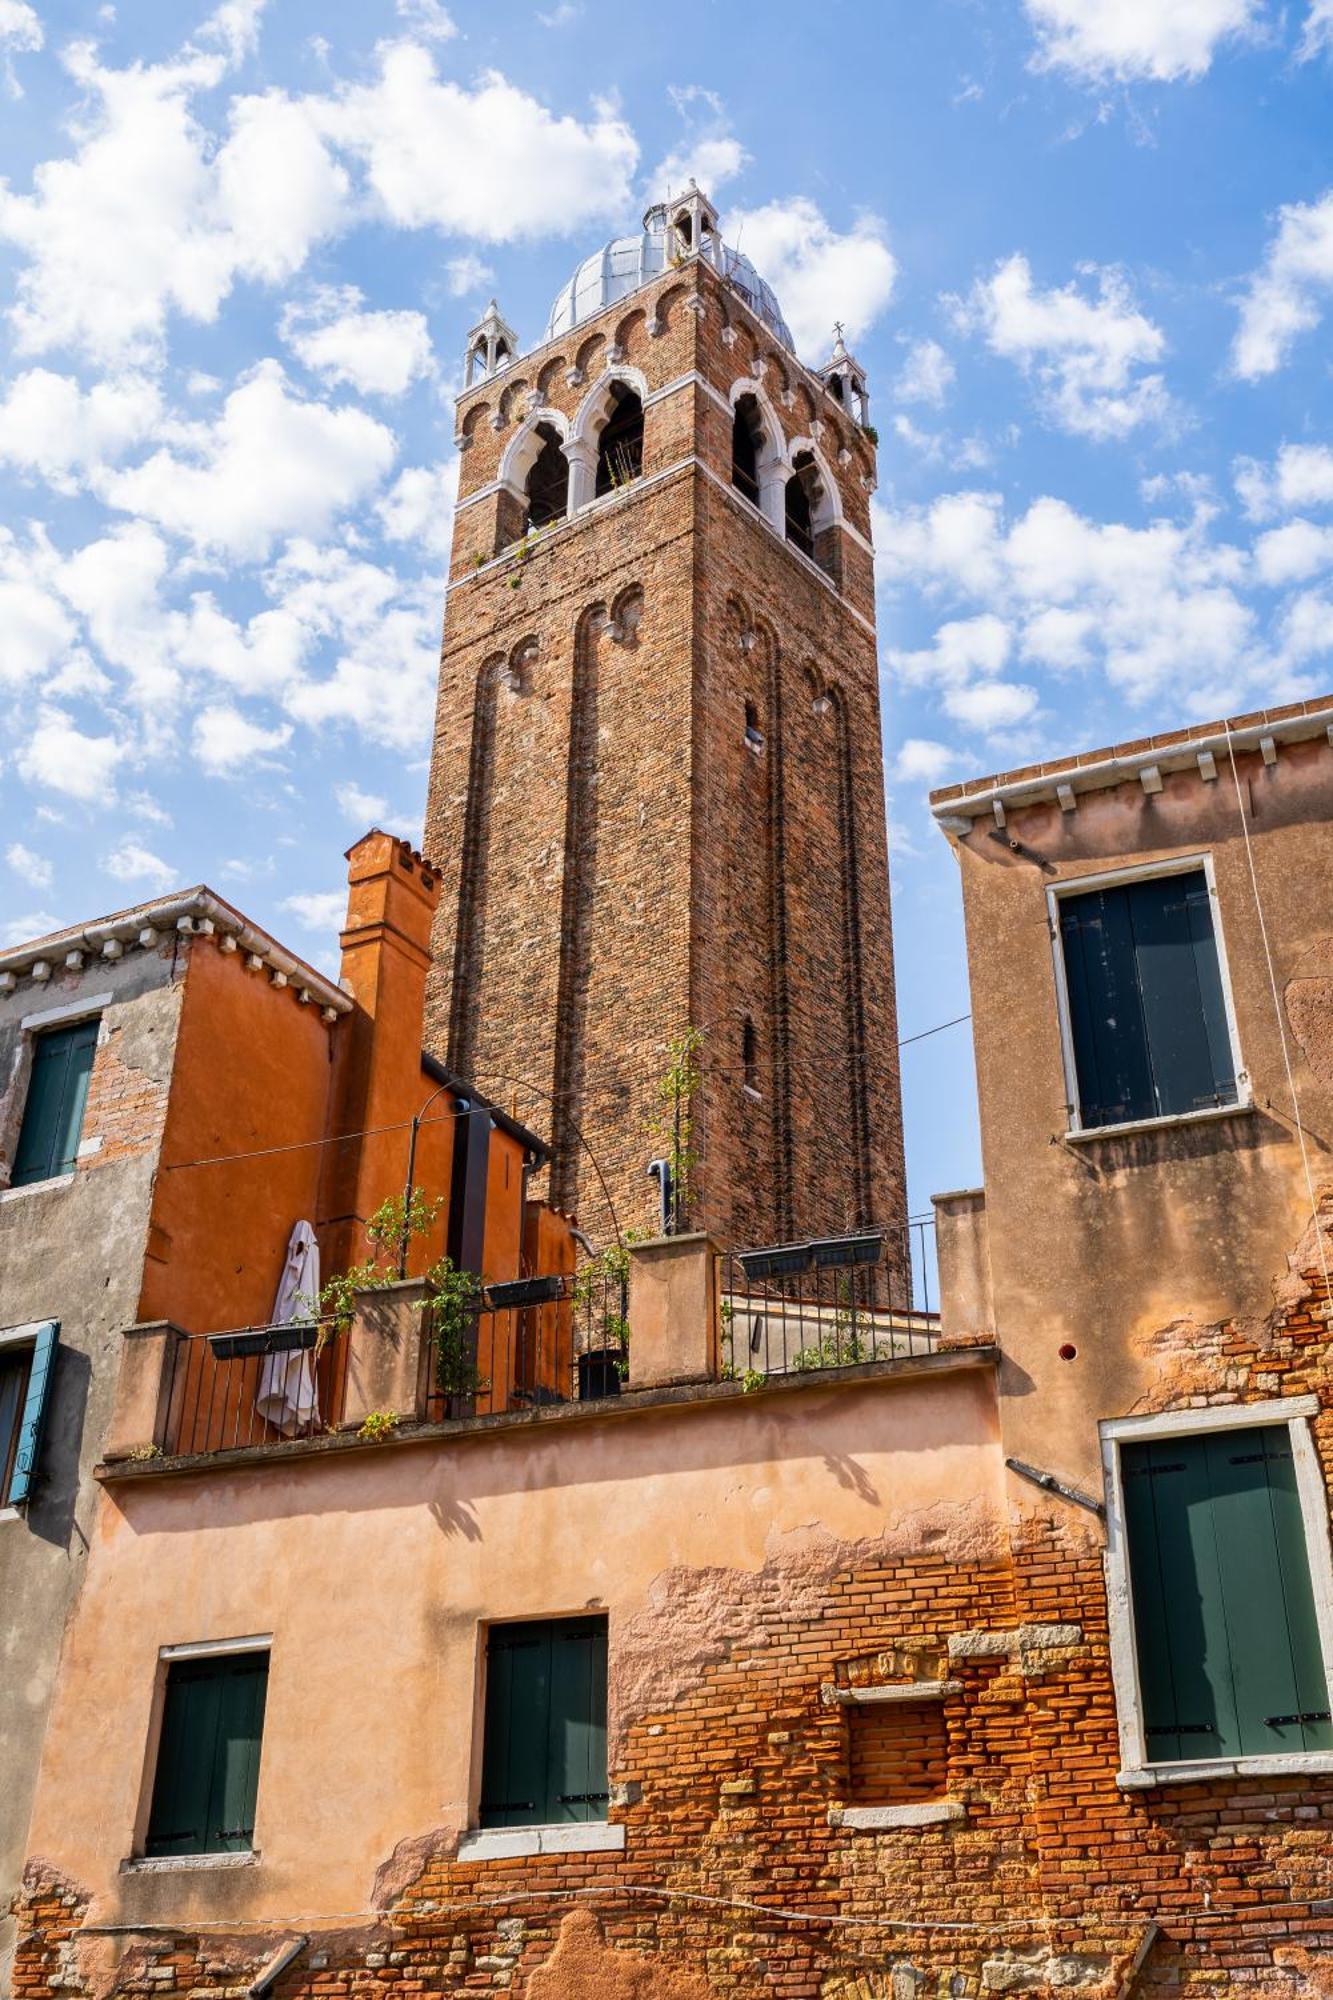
{"x": 627, "y": 262}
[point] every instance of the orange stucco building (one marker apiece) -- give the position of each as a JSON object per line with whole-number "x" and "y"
{"x": 215, "y": 1090}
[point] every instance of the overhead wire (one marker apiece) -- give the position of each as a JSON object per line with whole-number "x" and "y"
{"x": 1277, "y": 1014}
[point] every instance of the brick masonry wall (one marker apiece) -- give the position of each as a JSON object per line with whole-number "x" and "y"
{"x": 898, "y": 1753}
{"x": 617, "y": 862}
{"x": 727, "y": 1755}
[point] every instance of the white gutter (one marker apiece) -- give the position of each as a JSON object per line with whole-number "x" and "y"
{"x": 1108, "y": 771}
{"x": 194, "y": 912}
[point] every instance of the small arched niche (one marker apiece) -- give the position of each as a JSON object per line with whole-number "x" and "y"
{"x": 547, "y": 484}
{"x": 620, "y": 441}
{"x": 750, "y": 1057}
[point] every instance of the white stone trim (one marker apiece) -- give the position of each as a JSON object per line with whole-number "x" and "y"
{"x": 1115, "y": 878}
{"x": 1243, "y": 1108}
{"x": 873, "y": 1819}
{"x": 171, "y": 1864}
{"x": 15, "y": 1336}
{"x": 509, "y": 1843}
{"x": 73, "y": 1010}
{"x": 1136, "y": 1769}
{"x": 207, "y": 1649}
{"x": 11, "y": 1513}
{"x": 856, "y": 1697}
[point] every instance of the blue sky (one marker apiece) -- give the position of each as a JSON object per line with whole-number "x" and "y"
{"x": 1083, "y": 247}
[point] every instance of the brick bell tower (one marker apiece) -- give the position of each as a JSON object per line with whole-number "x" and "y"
{"x": 656, "y": 793}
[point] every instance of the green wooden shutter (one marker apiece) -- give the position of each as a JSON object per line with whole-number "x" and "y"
{"x": 1181, "y": 987}
{"x": 41, "y": 1378}
{"x": 1230, "y": 1663}
{"x": 1106, "y": 1017}
{"x": 62, "y": 1062}
{"x": 518, "y": 1680}
{"x": 207, "y": 1777}
{"x": 576, "y": 1756}
{"x": 544, "y": 1754}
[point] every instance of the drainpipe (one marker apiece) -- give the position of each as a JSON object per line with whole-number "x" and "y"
{"x": 264, "y": 1982}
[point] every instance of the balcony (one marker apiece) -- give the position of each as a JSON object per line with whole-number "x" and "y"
{"x": 688, "y": 1319}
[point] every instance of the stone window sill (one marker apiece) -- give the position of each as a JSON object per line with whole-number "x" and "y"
{"x": 37, "y": 1187}
{"x": 1297, "y": 1764}
{"x": 1242, "y": 1108}
{"x": 171, "y": 1864}
{"x": 854, "y": 1697}
{"x": 873, "y": 1819}
{"x": 509, "y": 1843}
{"x": 11, "y": 1513}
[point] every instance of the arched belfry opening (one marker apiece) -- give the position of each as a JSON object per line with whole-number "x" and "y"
{"x": 548, "y": 481}
{"x": 620, "y": 444}
{"x": 800, "y": 500}
{"x": 747, "y": 440}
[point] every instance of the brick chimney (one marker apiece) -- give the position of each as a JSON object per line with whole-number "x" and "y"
{"x": 391, "y": 897}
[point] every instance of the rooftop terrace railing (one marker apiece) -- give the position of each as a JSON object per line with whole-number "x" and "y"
{"x": 407, "y": 1359}
{"x": 804, "y": 1308}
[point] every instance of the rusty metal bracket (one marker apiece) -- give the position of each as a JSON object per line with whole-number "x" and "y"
{"x": 1050, "y": 1484}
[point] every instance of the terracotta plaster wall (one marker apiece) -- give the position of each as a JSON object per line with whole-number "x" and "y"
{"x": 371, "y": 1732}
{"x": 1105, "y": 1243}
{"x": 252, "y": 1075}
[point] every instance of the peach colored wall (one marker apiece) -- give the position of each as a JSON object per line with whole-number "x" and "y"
{"x": 251, "y": 1071}
{"x": 373, "y": 1570}
{"x": 1103, "y": 1244}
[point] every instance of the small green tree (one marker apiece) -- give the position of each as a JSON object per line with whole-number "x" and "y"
{"x": 673, "y": 1120}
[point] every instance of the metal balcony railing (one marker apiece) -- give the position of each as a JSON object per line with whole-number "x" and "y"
{"x": 803, "y": 1308}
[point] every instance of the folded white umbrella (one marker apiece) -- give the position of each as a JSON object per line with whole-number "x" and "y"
{"x": 287, "y": 1397}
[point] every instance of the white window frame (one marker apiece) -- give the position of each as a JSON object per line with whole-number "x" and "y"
{"x": 90, "y": 1006}
{"x": 137, "y": 1862}
{"x": 1137, "y": 1770}
{"x": 1115, "y": 878}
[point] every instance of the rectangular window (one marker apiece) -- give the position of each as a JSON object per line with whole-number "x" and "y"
{"x": 1147, "y": 1013}
{"x": 207, "y": 1775}
{"x": 1225, "y": 1630}
{"x": 544, "y": 1760}
{"x": 15, "y": 1366}
{"x": 62, "y": 1061}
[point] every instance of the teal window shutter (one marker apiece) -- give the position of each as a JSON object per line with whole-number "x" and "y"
{"x": 1230, "y": 1663}
{"x": 544, "y": 1754}
{"x": 207, "y": 1778}
{"x": 41, "y": 1376}
{"x": 62, "y": 1061}
{"x": 1146, "y": 1008}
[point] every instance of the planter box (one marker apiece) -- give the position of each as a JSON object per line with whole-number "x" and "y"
{"x": 843, "y": 1250}
{"x": 273, "y": 1340}
{"x": 784, "y": 1262}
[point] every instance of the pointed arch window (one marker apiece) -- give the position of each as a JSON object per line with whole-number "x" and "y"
{"x": 620, "y": 446}
{"x": 747, "y": 437}
{"x": 548, "y": 481}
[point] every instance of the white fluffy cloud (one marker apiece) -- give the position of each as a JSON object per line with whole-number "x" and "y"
{"x": 1165, "y": 41}
{"x": 146, "y": 217}
{"x": 270, "y": 465}
{"x": 361, "y": 807}
{"x": 1300, "y": 476}
{"x": 225, "y": 741}
{"x": 376, "y": 353}
{"x": 323, "y": 910}
{"x": 819, "y": 274}
{"x": 1296, "y": 550}
{"x": 132, "y": 862}
{"x": 52, "y": 428}
{"x": 419, "y": 506}
{"x": 922, "y": 761}
{"x": 60, "y": 757}
{"x": 1317, "y": 35}
{"x": 20, "y": 28}
{"x": 34, "y": 868}
{"x": 1284, "y": 296}
{"x": 36, "y": 631}
{"x": 428, "y": 19}
{"x": 926, "y": 376}
{"x": 1160, "y": 610}
{"x": 1088, "y": 356}
{"x": 420, "y": 140}
{"x": 708, "y": 151}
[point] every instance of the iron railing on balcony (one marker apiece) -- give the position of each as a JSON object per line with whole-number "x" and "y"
{"x": 257, "y": 1385}
{"x": 801, "y": 1308}
{"x": 526, "y": 1344}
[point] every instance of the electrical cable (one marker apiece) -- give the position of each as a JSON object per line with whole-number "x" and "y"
{"x": 1277, "y": 1014}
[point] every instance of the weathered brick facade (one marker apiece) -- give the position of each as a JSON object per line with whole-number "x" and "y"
{"x": 619, "y": 861}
